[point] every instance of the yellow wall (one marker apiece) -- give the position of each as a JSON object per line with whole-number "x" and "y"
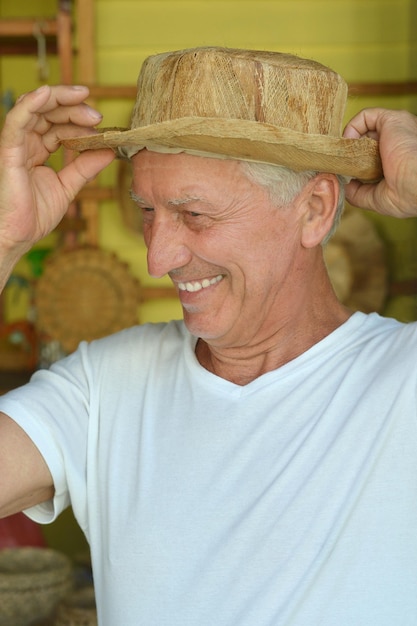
{"x": 364, "y": 40}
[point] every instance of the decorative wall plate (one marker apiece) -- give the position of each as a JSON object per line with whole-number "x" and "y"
{"x": 85, "y": 294}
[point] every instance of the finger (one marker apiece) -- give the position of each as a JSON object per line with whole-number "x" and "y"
{"x": 34, "y": 148}
{"x": 81, "y": 114}
{"x": 49, "y": 97}
{"x": 46, "y": 99}
{"x": 361, "y": 195}
{"x": 53, "y": 112}
{"x": 36, "y": 97}
{"x": 364, "y": 124}
{"x": 53, "y": 137}
{"x": 14, "y": 128}
{"x": 83, "y": 169}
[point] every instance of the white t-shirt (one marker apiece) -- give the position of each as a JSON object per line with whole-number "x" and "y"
{"x": 291, "y": 501}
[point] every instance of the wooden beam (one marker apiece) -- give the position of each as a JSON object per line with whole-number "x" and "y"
{"x": 112, "y": 91}
{"x": 64, "y": 42}
{"x": 406, "y": 88}
{"x": 14, "y": 27}
{"x": 24, "y": 46}
{"x": 356, "y": 89}
{"x": 86, "y": 41}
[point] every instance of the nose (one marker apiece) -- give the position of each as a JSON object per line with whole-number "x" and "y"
{"x": 167, "y": 249}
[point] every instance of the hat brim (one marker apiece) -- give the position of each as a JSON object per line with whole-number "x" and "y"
{"x": 244, "y": 140}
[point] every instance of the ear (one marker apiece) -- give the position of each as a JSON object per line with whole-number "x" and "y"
{"x": 321, "y": 196}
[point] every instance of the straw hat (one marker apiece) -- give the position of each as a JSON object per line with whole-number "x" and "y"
{"x": 258, "y": 106}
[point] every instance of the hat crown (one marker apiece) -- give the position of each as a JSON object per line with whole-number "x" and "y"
{"x": 268, "y": 87}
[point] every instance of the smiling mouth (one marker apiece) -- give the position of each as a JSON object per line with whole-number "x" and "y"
{"x": 197, "y": 285}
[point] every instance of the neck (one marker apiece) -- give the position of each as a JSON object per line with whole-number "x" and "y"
{"x": 287, "y": 340}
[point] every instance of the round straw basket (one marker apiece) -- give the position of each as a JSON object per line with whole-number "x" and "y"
{"x": 32, "y": 582}
{"x": 77, "y": 609}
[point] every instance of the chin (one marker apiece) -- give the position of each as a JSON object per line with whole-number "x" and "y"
{"x": 202, "y": 328}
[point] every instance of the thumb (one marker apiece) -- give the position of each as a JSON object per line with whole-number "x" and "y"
{"x": 361, "y": 195}
{"x": 83, "y": 169}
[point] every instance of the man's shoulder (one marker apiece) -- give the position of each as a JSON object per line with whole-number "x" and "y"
{"x": 375, "y": 325}
{"x": 385, "y": 339}
{"x": 140, "y": 338}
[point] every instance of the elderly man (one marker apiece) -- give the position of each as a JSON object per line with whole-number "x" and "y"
{"x": 255, "y": 464}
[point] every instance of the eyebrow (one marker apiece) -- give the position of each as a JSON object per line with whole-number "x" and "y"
{"x": 185, "y": 200}
{"x": 137, "y": 198}
{"x": 173, "y": 202}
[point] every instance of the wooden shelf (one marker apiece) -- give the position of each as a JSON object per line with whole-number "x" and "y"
{"x": 356, "y": 89}
{"x": 26, "y": 27}
{"x": 406, "y": 88}
{"x": 18, "y": 36}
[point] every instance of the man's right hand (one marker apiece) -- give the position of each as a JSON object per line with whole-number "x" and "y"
{"x": 33, "y": 197}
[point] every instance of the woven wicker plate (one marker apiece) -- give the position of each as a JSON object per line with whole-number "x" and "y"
{"x": 85, "y": 294}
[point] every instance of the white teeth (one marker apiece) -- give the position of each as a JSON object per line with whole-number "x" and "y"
{"x": 197, "y": 286}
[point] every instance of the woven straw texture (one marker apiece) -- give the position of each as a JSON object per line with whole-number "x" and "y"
{"x": 85, "y": 294}
{"x": 78, "y": 609}
{"x": 32, "y": 583}
{"x": 258, "y": 106}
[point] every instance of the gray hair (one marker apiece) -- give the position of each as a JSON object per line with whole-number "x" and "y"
{"x": 284, "y": 185}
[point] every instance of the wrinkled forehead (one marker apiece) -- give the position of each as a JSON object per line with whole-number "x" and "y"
{"x": 183, "y": 178}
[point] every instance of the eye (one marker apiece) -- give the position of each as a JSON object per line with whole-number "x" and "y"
{"x": 197, "y": 221}
{"x": 192, "y": 218}
{"x": 147, "y": 214}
